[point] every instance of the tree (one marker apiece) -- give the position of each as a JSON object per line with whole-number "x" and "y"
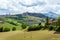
{"x": 39, "y": 23}
{"x": 58, "y": 21}
{"x": 14, "y": 28}
{"x": 1, "y": 29}
{"x": 24, "y": 26}
{"x": 47, "y": 21}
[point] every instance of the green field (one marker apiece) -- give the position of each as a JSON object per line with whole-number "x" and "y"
{"x": 7, "y": 24}
{"x": 33, "y": 35}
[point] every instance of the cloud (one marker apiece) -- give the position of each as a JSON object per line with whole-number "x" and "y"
{"x": 56, "y": 2}
{"x": 30, "y": 3}
{"x": 20, "y": 6}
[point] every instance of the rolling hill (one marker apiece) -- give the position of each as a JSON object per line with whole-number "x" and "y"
{"x": 32, "y": 18}
{"x": 29, "y": 18}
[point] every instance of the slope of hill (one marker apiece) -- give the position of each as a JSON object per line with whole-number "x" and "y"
{"x": 32, "y": 18}
{"x": 10, "y": 23}
{"x": 29, "y": 18}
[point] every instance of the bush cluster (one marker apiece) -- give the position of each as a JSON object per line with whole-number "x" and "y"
{"x": 40, "y": 27}
{"x": 58, "y": 29}
{"x": 14, "y": 28}
{"x": 6, "y": 29}
{"x": 51, "y": 28}
{"x": 12, "y": 23}
{"x": 24, "y": 26}
{"x": 33, "y": 28}
{"x": 2, "y": 29}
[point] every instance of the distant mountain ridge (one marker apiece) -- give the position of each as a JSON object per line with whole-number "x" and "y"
{"x": 34, "y": 14}
{"x": 50, "y": 14}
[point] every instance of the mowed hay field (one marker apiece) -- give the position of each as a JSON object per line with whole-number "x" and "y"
{"x": 33, "y": 35}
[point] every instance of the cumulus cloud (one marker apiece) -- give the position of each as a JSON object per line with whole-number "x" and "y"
{"x": 20, "y": 6}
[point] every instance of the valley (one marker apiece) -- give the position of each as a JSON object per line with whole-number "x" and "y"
{"x": 30, "y": 26}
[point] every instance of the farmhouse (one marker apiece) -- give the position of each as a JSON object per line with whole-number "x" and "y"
{"x": 53, "y": 22}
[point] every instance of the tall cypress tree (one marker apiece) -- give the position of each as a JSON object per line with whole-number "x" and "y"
{"x": 47, "y": 20}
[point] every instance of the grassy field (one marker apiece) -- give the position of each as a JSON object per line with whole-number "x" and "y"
{"x": 9, "y": 25}
{"x": 34, "y": 35}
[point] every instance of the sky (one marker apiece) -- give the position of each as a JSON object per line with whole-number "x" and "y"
{"x": 35, "y": 6}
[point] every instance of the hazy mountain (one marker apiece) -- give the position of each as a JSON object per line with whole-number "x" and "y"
{"x": 51, "y": 14}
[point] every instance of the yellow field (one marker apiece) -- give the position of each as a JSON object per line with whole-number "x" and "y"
{"x": 34, "y": 35}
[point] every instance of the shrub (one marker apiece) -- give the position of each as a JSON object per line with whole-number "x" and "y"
{"x": 1, "y": 29}
{"x": 58, "y": 29}
{"x": 14, "y": 28}
{"x": 30, "y": 28}
{"x": 51, "y": 28}
{"x": 12, "y": 23}
{"x": 39, "y": 23}
{"x": 55, "y": 28}
{"x": 40, "y": 27}
{"x": 33, "y": 28}
{"x": 24, "y": 26}
{"x": 6, "y": 30}
{"x": 43, "y": 27}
